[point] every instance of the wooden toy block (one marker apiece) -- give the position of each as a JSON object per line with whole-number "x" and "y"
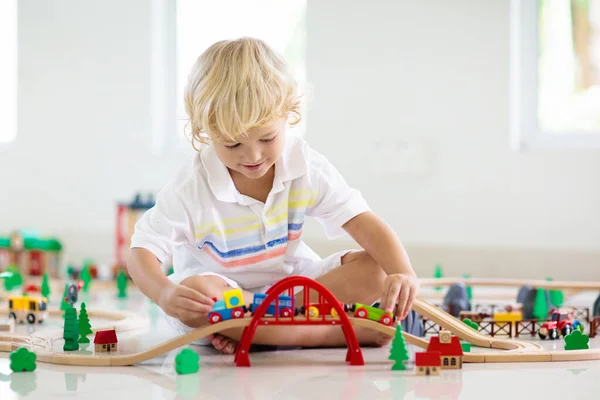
{"x": 233, "y": 298}
{"x": 7, "y": 325}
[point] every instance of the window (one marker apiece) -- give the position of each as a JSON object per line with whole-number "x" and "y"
{"x": 8, "y": 71}
{"x": 453, "y": 361}
{"x": 555, "y": 74}
{"x": 183, "y": 29}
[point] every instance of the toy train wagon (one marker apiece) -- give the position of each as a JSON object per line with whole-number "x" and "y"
{"x": 316, "y": 309}
{"x": 233, "y": 306}
{"x": 372, "y": 313}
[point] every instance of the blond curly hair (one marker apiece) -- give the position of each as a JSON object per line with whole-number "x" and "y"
{"x": 236, "y": 85}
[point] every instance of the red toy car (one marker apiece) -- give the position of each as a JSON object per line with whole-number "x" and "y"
{"x": 559, "y": 323}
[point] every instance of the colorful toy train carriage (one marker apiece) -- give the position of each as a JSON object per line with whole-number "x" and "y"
{"x": 316, "y": 309}
{"x": 372, "y": 313}
{"x": 232, "y": 306}
{"x": 284, "y": 307}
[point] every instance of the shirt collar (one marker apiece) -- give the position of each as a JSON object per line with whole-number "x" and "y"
{"x": 291, "y": 165}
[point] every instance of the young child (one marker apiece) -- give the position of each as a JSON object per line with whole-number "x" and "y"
{"x": 232, "y": 216}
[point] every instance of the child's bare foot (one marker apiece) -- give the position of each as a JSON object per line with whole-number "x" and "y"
{"x": 224, "y": 344}
{"x": 371, "y": 337}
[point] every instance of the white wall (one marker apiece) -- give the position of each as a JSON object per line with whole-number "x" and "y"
{"x": 433, "y": 74}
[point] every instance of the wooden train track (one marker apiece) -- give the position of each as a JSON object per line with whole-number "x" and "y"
{"x": 513, "y": 350}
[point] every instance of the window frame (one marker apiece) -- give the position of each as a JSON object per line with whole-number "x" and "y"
{"x": 525, "y": 132}
{"x": 11, "y": 65}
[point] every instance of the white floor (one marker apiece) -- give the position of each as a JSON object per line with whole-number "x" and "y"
{"x": 290, "y": 374}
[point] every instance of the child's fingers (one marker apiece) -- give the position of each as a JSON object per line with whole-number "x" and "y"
{"x": 192, "y": 306}
{"x": 403, "y": 297}
{"x": 195, "y": 295}
{"x": 390, "y": 294}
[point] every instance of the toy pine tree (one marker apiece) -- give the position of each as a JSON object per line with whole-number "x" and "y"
{"x": 187, "y": 362}
{"x": 438, "y": 274}
{"x": 469, "y": 289}
{"x": 84, "y": 325}
{"x": 46, "y": 286}
{"x": 71, "y": 330}
{"x": 122, "y": 284}
{"x": 540, "y": 307}
{"x": 398, "y": 352}
{"x": 86, "y": 277}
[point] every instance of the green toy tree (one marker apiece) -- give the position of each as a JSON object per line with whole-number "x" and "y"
{"x": 84, "y": 325}
{"x": 187, "y": 362}
{"x": 46, "y": 286}
{"x": 122, "y": 284}
{"x": 22, "y": 360}
{"x": 557, "y": 297}
{"x": 577, "y": 341}
{"x": 71, "y": 330}
{"x": 15, "y": 280}
{"x": 398, "y": 352}
{"x": 469, "y": 288}
{"x": 438, "y": 273}
{"x": 540, "y": 306}
{"x": 86, "y": 277}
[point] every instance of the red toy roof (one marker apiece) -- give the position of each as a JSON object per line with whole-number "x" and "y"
{"x": 105, "y": 337}
{"x": 452, "y": 349}
{"x": 428, "y": 359}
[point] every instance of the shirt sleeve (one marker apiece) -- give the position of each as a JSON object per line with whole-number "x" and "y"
{"x": 165, "y": 226}
{"x": 336, "y": 202}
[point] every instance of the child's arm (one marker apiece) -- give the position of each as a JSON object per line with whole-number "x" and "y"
{"x": 382, "y": 243}
{"x": 163, "y": 228}
{"x": 178, "y": 301}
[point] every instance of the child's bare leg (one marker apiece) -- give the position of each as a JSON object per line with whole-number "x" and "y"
{"x": 358, "y": 280}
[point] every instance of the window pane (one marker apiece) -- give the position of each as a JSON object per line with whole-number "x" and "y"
{"x": 201, "y": 23}
{"x": 8, "y": 70}
{"x": 569, "y": 66}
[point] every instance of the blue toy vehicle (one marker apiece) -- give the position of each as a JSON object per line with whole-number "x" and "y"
{"x": 232, "y": 306}
{"x": 286, "y": 305}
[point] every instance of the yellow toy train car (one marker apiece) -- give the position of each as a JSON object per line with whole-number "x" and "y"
{"x": 28, "y": 308}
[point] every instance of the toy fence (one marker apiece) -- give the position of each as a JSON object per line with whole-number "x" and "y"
{"x": 594, "y": 326}
{"x": 579, "y": 313}
{"x": 490, "y": 328}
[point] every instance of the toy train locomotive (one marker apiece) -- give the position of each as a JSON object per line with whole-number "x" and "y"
{"x": 233, "y": 306}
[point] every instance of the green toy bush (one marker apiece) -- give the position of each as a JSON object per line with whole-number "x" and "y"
{"x": 577, "y": 341}
{"x": 22, "y": 360}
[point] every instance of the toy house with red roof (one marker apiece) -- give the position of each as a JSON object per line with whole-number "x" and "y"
{"x": 105, "y": 341}
{"x": 450, "y": 350}
{"x": 428, "y": 362}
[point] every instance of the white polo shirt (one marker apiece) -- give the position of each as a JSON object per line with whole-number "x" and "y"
{"x": 207, "y": 225}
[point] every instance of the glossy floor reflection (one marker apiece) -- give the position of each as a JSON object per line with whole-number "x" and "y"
{"x": 286, "y": 374}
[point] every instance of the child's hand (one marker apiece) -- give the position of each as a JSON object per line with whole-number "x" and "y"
{"x": 184, "y": 303}
{"x": 399, "y": 292}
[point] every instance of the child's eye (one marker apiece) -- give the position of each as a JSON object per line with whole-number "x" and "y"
{"x": 232, "y": 146}
{"x": 267, "y": 140}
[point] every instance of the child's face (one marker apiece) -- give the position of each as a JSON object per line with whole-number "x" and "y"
{"x": 254, "y": 155}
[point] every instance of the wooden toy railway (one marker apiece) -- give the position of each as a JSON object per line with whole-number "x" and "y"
{"x": 514, "y": 350}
